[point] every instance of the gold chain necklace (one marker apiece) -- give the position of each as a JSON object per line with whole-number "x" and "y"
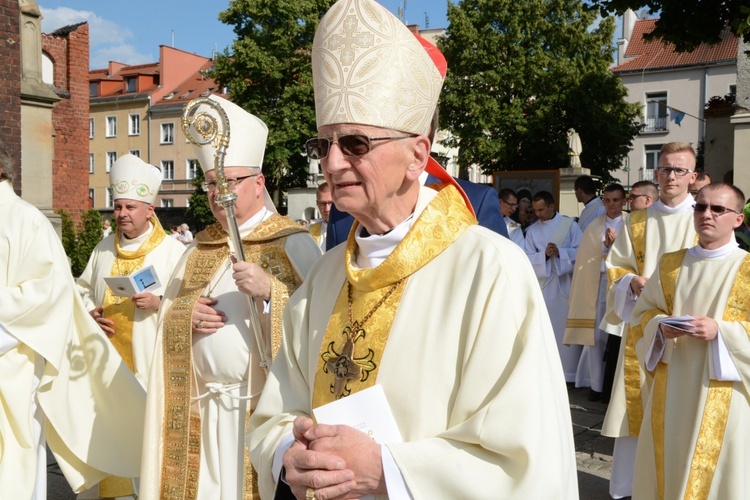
{"x": 344, "y": 367}
{"x": 216, "y": 283}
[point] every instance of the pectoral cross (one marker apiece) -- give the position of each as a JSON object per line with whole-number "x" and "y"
{"x": 344, "y": 368}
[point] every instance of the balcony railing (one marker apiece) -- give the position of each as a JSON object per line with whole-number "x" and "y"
{"x": 646, "y": 174}
{"x": 656, "y": 124}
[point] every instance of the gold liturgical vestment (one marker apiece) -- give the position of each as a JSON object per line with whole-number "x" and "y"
{"x": 174, "y": 428}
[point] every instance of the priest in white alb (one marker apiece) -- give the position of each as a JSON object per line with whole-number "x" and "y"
{"x": 665, "y": 226}
{"x": 466, "y": 361}
{"x": 588, "y": 292}
{"x": 694, "y": 315}
{"x": 551, "y": 244}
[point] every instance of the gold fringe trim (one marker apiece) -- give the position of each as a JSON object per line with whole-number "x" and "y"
{"x": 580, "y": 323}
{"x": 659, "y": 399}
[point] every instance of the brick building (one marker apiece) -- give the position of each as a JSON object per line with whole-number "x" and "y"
{"x": 65, "y": 61}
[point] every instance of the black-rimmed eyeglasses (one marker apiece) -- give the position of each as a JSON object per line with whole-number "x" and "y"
{"x": 318, "y": 148}
{"x": 210, "y": 186}
{"x": 717, "y": 210}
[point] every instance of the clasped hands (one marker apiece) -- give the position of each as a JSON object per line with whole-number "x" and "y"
{"x": 336, "y": 461}
{"x": 703, "y": 328}
{"x": 250, "y": 279}
{"x": 551, "y": 250}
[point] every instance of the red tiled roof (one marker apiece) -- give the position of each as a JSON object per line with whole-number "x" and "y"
{"x": 196, "y": 85}
{"x": 657, "y": 54}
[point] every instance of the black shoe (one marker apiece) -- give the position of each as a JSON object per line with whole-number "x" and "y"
{"x": 594, "y": 396}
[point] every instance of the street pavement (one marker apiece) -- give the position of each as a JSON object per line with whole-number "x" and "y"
{"x": 593, "y": 452}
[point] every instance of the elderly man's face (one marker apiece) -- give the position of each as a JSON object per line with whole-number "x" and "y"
{"x": 249, "y": 191}
{"x": 372, "y": 187}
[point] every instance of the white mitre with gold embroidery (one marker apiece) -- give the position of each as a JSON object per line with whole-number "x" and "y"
{"x": 369, "y": 69}
{"x": 247, "y": 140}
{"x": 133, "y": 179}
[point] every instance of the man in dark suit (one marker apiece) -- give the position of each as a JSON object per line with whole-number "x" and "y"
{"x": 483, "y": 199}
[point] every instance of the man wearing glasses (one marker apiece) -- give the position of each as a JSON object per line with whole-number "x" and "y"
{"x": 324, "y": 202}
{"x": 694, "y": 434}
{"x": 665, "y": 226}
{"x": 642, "y": 195}
{"x": 443, "y": 316}
{"x": 508, "y": 206}
{"x": 210, "y": 364}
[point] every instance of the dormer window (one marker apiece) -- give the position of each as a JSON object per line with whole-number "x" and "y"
{"x": 132, "y": 84}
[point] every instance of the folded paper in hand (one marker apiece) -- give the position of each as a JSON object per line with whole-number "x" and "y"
{"x": 367, "y": 411}
{"x": 143, "y": 280}
{"x": 682, "y": 323}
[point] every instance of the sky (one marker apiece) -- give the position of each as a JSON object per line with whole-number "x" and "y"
{"x": 130, "y": 32}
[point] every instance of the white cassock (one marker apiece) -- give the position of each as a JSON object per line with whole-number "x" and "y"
{"x": 92, "y": 288}
{"x": 555, "y": 275}
{"x": 61, "y": 381}
{"x": 666, "y": 229}
{"x": 515, "y": 232}
{"x": 226, "y": 368}
{"x": 318, "y": 230}
{"x": 695, "y": 438}
{"x": 591, "y": 210}
{"x": 590, "y": 372}
{"x": 470, "y": 371}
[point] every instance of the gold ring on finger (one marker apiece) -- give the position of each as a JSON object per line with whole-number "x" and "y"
{"x": 199, "y": 324}
{"x": 310, "y": 494}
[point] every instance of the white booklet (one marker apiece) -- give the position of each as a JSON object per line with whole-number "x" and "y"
{"x": 367, "y": 411}
{"x": 143, "y": 280}
{"x": 682, "y": 323}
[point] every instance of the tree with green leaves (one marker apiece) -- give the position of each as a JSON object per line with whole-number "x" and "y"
{"x": 520, "y": 74}
{"x": 79, "y": 243}
{"x": 688, "y": 23}
{"x": 269, "y": 73}
{"x": 199, "y": 210}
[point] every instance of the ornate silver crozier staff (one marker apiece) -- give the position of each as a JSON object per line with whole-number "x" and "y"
{"x": 216, "y": 133}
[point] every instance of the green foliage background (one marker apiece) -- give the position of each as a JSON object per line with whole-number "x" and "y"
{"x": 521, "y": 73}
{"x": 269, "y": 72}
{"x": 198, "y": 207}
{"x": 79, "y": 242}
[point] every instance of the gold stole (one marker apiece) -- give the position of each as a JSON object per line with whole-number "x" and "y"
{"x": 121, "y": 310}
{"x": 265, "y": 246}
{"x": 631, "y": 369}
{"x": 716, "y": 409}
{"x": 437, "y": 227}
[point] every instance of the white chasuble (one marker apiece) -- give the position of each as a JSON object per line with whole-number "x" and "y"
{"x": 455, "y": 369}
{"x": 695, "y": 437}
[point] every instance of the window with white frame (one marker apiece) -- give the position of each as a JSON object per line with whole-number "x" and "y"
{"x": 91, "y": 195}
{"x": 656, "y": 112}
{"x": 111, "y": 126}
{"x": 191, "y": 168}
{"x": 110, "y": 199}
{"x": 91, "y": 128}
{"x": 167, "y": 169}
{"x": 651, "y": 153}
{"x": 134, "y": 124}
{"x": 167, "y": 202}
{"x": 167, "y": 133}
{"x": 91, "y": 163}
{"x": 111, "y": 159}
{"x": 135, "y": 152}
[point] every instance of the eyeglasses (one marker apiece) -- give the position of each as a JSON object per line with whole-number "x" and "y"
{"x": 323, "y": 204}
{"x": 678, "y": 171}
{"x": 633, "y": 196}
{"x": 210, "y": 186}
{"x": 318, "y": 148}
{"x": 717, "y": 210}
{"x": 509, "y": 203}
